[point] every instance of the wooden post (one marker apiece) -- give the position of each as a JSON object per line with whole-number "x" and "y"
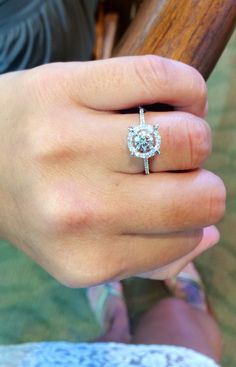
{"x": 192, "y": 31}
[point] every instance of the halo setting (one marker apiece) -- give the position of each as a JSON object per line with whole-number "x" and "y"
{"x": 144, "y": 140}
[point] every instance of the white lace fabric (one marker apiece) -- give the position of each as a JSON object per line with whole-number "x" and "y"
{"x": 63, "y": 354}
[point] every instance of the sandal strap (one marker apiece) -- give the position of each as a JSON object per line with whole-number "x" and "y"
{"x": 182, "y": 276}
{"x": 98, "y": 296}
{"x": 189, "y": 287}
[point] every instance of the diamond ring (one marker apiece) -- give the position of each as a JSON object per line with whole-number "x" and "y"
{"x": 144, "y": 140}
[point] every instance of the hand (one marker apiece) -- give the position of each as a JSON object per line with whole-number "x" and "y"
{"x": 73, "y": 199}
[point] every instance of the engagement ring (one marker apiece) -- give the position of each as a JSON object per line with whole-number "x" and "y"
{"x": 144, "y": 140}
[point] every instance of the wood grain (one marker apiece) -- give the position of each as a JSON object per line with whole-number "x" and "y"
{"x": 192, "y": 31}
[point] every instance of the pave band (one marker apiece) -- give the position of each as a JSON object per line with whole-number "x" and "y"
{"x": 144, "y": 140}
{"x": 146, "y": 166}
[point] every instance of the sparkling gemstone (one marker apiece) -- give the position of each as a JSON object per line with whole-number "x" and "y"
{"x": 143, "y": 141}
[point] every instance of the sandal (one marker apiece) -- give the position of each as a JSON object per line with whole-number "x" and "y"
{"x": 109, "y": 307}
{"x": 187, "y": 285}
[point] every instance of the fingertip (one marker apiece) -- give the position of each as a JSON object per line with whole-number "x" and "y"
{"x": 211, "y": 236}
{"x": 205, "y": 111}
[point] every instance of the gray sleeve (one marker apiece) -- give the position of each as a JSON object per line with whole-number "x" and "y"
{"x": 35, "y": 32}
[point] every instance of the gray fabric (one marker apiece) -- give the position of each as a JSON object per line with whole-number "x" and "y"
{"x": 34, "y": 32}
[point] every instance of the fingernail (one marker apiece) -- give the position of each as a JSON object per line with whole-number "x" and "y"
{"x": 212, "y": 235}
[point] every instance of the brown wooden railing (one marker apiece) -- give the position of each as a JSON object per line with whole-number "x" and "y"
{"x": 192, "y": 31}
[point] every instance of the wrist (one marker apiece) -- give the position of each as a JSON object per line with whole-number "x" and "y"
{"x": 7, "y": 116}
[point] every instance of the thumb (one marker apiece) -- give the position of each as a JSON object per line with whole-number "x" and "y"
{"x": 210, "y": 237}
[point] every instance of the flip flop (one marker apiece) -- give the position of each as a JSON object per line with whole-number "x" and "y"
{"x": 188, "y": 285}
{"x": 109, "y": 307}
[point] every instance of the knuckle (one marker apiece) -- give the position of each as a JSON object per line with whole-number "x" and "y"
{"x": 62, "y": 210}
{"x": 200, "y": 87}
{"x": 199, "y": 141}
{"x": 72, "y": 218}
{"x": 49, "y": 73}
{"x": 67, "y": 207}
{"x": 40, "y": 142}
{"x": 217, "y": 201}
{"x": 152, "y": 72}
{"x": 45, "y": 78}
{"x": 50, "y": 145}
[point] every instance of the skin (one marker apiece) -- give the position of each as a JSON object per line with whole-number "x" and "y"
{"x": 174, "y": 322}
{"x": 171, "y": 321}
{"x": 70, "y": 195}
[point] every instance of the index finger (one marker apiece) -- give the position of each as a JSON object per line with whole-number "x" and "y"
{"x": 126, "y": 82}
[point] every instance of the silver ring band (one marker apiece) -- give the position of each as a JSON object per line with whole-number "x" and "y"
{"x": 146, "y": 166}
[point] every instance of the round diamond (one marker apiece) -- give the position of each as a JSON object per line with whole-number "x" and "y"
{"x": 143, "y": 141}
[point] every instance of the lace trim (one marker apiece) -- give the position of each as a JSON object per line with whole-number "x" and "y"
{"x": 63, "y": 354}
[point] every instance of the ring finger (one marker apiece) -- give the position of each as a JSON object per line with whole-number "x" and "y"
{"x": 185, "y": 141}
